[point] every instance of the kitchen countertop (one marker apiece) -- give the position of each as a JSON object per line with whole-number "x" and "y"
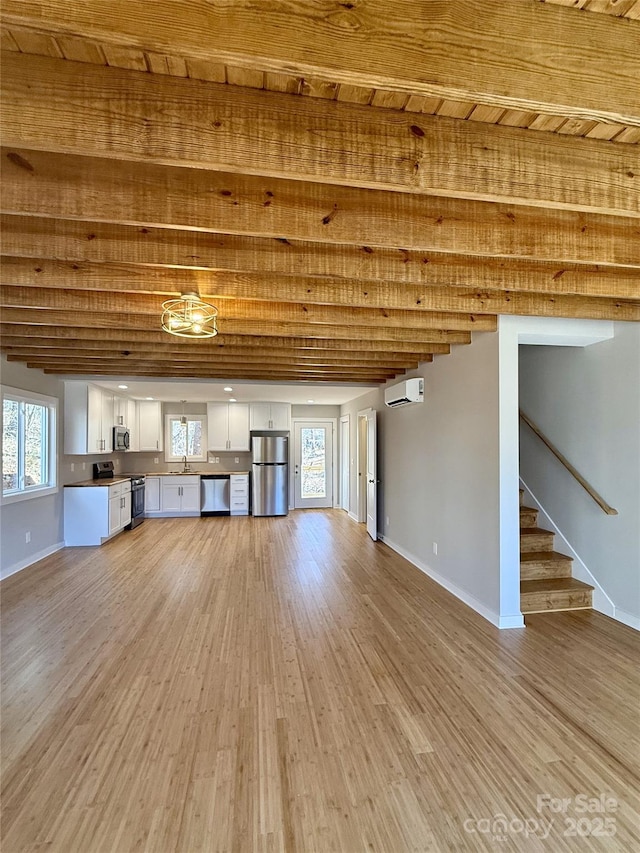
{"x": 113, "y": 481}
{"x": 190, "y": 473}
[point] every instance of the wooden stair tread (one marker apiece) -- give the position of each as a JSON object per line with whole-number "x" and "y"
{"x": 546, "y": 582}
{"x": 553, "y": 585}
{"x": 528, "y": 531}
{"x": 534, "y": 556}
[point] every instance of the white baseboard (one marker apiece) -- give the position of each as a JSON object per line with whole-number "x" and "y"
{"x": 353, "y": 517}
{"x": 601, "y": 601}
{"x": 626, "y": 618}
{"x": 515, "y": 621}
{"x": 29, "y": 561}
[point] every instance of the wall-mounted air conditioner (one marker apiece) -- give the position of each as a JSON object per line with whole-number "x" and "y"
{"x": 409, "y": 391}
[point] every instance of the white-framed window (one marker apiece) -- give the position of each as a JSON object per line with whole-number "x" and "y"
{"x": 185, "y": 439}
{"x": 29, "y": 451}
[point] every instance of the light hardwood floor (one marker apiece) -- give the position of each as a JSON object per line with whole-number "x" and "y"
{"x": 243, "y": 684}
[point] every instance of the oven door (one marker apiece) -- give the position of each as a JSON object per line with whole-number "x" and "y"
{"x": 137, "y": 501}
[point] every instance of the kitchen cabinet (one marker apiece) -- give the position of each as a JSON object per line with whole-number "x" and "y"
{"x": 120, "y": 413}
{"x": 93, "y": 514}
{"x": 239, "y": 494}
{"x": 228, "y": 426}
{"x": 266, "y": 416}
{"x": 88, "y": 419}
{"x": 150, "y": 433}
{"x": 119, "y": 507}
{"x": 152, "y": 494}
{"x": 180, "y": 495}
{"x": 131, "y": 421}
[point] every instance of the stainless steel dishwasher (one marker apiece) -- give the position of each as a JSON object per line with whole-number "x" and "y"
{"x": 215, "y": 498}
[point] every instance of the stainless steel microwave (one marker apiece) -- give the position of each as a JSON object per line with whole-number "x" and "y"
{"x": 120, "y": 438}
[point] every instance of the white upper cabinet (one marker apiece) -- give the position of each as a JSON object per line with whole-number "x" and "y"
{"x": 88, "y": 419}
{"x": 131, "y": 422}
{"x": 150, "y": 433}
{"x": 266, "y": 416}
{"x": 123, "y": 413}
{"x": 228, "y": 426}
{"x": 238, "y": 426}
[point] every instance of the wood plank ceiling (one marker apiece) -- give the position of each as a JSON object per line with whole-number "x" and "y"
{"x": 357, "y": 186}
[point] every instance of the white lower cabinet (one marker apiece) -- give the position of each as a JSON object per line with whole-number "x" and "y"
{"x": 152, "y": 494}
{"x": 239, "y": 494}
{"x": 92, "y": 514}
{"x": 172, "y": 496}
{"x": 119, "y": 508}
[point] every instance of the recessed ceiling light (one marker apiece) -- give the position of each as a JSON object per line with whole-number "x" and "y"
{"x": 148, "y": 398}
{"x": 310, "y": 401}
{"x": 123, "y": 386}
{"x": 232, "y": 400}
{"x": 227, "y": 388}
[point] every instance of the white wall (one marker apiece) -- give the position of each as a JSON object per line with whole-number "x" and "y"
{"x": 587, "y": 401}
{"x": 41, "y": 517}
{"x": 439, "y": 464}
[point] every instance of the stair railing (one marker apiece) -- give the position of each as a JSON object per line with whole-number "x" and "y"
{"x": 604, "y": 506}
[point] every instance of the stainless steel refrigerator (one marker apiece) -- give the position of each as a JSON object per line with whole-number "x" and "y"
{"x": 270, "y": 473}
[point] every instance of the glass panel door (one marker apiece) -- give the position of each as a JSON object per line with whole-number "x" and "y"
{"x": 313, "y": 470}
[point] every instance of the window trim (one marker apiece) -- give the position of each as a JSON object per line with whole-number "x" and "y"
{"x": 168, "y": 457}
{"x": 51, "y": 487}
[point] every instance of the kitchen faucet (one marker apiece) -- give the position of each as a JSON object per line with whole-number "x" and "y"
{"x": 185, "y": 465}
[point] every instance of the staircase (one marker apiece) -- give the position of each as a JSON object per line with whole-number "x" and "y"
{"x": 545, "y": 575}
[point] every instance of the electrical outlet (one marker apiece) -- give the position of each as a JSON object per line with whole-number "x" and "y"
{"x": 27, "y": 537}
{"x": 155, "y": 460}
{"x": 217, "y": 460}
{"x": 73, "y": 467}
{"x": 435, "y": 548}
{"x": 237, "y": 459}
{"x": 83, "y": 465}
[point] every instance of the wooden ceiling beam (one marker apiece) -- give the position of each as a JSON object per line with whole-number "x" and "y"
{"x": 71, "y": 373}
{"x": 432, "y": 271}
{"x": 256, "y": 360}
{"x": 17, "y": 323}
{"x": 232, "y": 310}
{"x": 124, "y": 322}
{"x": 95, "y": 365}
{"x": 515, "y": 55}
{"x": 53, "y": 104}
{"x": 441, "y": 299}
{"x": 83, "y": 369}
{"x": 325, "y": 300}
{"x": 146, "y": 196}
{"x": 55, "y": 347}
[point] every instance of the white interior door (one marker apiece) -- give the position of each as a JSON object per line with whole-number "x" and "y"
{"x": 344, "y": 463}
{"x": 313, "y": 464}
{"x": 372, "y": 476}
